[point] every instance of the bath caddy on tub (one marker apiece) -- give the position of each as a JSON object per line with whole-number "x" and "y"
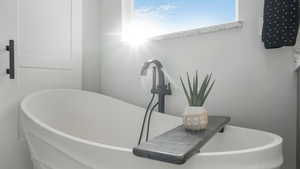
{"x": 178, "y": 145}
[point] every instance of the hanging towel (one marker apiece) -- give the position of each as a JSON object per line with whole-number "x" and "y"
{"x": 281, "y": 22}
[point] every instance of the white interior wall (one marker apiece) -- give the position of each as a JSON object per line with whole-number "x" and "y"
{"x": 256, "y": 87}
{"x": 91, "y": 30}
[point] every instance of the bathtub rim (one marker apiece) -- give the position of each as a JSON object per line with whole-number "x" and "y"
{"x": 277, "y": 140}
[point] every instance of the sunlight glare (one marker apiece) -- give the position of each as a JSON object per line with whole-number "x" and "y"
{"x": 137, "y": 33}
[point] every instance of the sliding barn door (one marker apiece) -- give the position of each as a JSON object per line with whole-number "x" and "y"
{"x": 12, "y": 153}
{"x": 47, "y": 39}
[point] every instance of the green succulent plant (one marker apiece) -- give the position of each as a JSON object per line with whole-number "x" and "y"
{"x": 197, "y": 95}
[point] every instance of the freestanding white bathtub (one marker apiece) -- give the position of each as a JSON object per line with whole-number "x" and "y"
{"x": 73, "y": 129}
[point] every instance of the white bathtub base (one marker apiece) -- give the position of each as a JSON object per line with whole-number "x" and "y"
{"x": 72, "y": 129}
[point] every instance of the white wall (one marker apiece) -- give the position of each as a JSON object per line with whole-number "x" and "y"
{"x": 91, "y": 30}
{"x": 256, "y": 87}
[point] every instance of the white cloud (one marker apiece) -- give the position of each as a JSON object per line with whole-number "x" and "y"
{"x": 152, "y": 18}
{"x": 157, "y": 13}
{"x": 167, "y": 7}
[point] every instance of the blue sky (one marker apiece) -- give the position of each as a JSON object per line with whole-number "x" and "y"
{"x": 176, "y": 15}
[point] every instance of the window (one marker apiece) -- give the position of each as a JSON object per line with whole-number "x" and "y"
{"x": 157, "y": 17}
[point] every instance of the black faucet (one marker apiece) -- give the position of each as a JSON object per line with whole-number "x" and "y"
{"x": 161, "y": 88}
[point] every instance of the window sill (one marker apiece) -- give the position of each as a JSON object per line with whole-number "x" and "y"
{"x": 199, "y": 31}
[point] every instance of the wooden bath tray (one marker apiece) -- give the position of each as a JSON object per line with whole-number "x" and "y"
{"x": 178, "y": 145}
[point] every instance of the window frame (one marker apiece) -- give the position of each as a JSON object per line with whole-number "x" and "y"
{"x": 128, "y": 14}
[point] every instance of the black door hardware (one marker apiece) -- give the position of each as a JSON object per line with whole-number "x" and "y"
{"x": 11, "y": 49}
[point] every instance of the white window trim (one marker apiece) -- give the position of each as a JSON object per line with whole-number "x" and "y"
{"x": 199, "y": 31}
{"x": 128, "y": 10}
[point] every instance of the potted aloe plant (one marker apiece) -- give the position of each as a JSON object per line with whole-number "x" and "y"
{"x": 195, "y": 116}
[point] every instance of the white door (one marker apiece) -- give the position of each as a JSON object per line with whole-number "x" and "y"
{"x": 47, "y": 36}
{"x": 12, "y": 153}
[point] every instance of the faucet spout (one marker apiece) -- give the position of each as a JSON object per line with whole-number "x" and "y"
{"x": 148, "y": 63}
{"x": 161, "y": 89}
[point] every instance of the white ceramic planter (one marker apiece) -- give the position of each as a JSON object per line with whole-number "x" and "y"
{"x": 195, "y": 118}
